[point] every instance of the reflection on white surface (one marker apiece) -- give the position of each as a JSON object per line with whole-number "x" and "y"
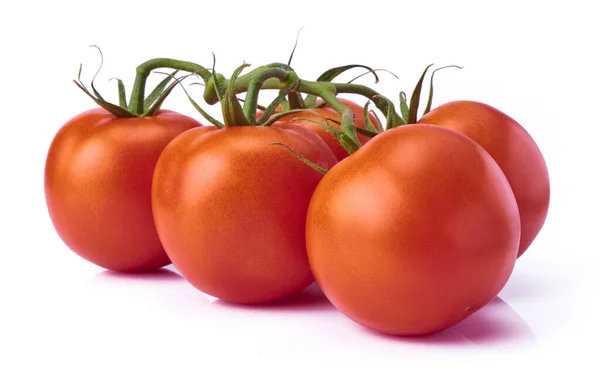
{"x": 107, "y": 318}
{"x": 310, "y": 299}
{"x": 163, "y": 290}
{"x": 159, "y": 275}
{"x": 495, "y": 324}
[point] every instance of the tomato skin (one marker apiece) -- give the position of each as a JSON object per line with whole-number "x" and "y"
{"x": 321, "y": 115}
{"x": 97, "y": 182}
{"x": 230, "y": 208}
{"x": 358, "y": 110}
{"x": 413, "y": 232}
{"x": 512, "y": 148}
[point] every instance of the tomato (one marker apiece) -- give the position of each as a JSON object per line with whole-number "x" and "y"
{"x": 98, "y": 179}
{"x": 513, "y": 149}
{"x": 230, "y": 208}
{"x": 414, "y": 232}
{"x": 358, "y": 110}
{"x": 321, "y": 115}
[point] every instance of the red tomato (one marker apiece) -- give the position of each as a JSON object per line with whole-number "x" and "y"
{"x": 230, "y": 208}
{"x": 513, "y": 149}
{"x": 413, "y": 232}
{"x": 359, "y": 119}
{"x": 98, "y": 179}
{"x": 322, "y": 114}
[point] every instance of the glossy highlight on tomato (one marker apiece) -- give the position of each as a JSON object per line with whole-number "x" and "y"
{"x": 512, "y": 148}
{"x": 230, "y": 208}
{"x": 414, "y": 232}
{"x": 97, "y": 181}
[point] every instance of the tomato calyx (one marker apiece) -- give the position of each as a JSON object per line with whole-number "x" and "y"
{"x": 410, "y": 111}
{"x": 276, "y": 76}
{"x": 293, "y": 99}
{"x": 226, "y": 93}
{"x": 346, "y": 142}
{"x": 331, "y": 74}
{"x": 257, "y": 80}
{"x": 150, "y": 105}
{"x": 233, "y": 113}
{"x": 279, "y": 76}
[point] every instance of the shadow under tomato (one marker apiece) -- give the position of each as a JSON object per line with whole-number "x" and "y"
{"x": 529, "y": 285}
{"x": 162, "y": 274}
{"x": 152, "y": 288}
{"x": 310, "y": 298}
{"x": 496, "y": 323}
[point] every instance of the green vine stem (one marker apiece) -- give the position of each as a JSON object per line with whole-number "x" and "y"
{"x": 316, "y": 88}
{"x": 136, "y": 103}
{"x": 268, "y": 77}
{"x": 328, "y": 93}
{"x": 257, "y": 78}
{"x": 382, "y": 103}
{"x": 274, "y": 76}
{"x": 278, "y": 79}
{"x": 295, "y": 100}
{"x": 233, "y": 114}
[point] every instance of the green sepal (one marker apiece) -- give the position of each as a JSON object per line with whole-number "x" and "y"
{"x": 416, "y": 97}
{"x": 430, "y": 98}
{"x": 372, "y": 71}
{"x": 202, "y": 112}
{"x": 158, "y": 90}
{"x": 306, "y": 161}
{"x": 378, "y": 120}
{"x": 336, "y": 132}
{"x": 122, "y": 93}
{"x": 295, "y": 100}
{"x": 368, "y": 124}
{"x": 390, "y": 118}
{"x": 258, "y": 106}
{"x": 285, "y": 105}
{"x": 314, "y": 121}
{"x": 295, "y": 46}
{"x": 216, "y": 81}
{"x": 367, "y": 133}
{"x": 115, "y": 110}
{"x": 96, "y": 93}
{"x": 347, "y": 142}
{"x": 155, "y": 107}
{"x": 277, "y": 116}
{"x": 350, "y": 134}
{"x": 404, "y": 106}
{"x": 331, "y": 74}
{"x": 233, "y": 113}
{"x": 276, "y": 102}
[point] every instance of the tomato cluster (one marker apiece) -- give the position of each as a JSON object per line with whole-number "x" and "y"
{"x": 407, "y": 228}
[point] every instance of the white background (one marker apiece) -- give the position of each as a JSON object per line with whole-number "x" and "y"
{"x": 65, "y": 319}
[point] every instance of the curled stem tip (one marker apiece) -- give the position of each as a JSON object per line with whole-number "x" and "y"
{"x": 373, "y": 71}
{"x": 97, "y": 71}
{"x": 430, "y": 97}
{"x": 295, "y": 46}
